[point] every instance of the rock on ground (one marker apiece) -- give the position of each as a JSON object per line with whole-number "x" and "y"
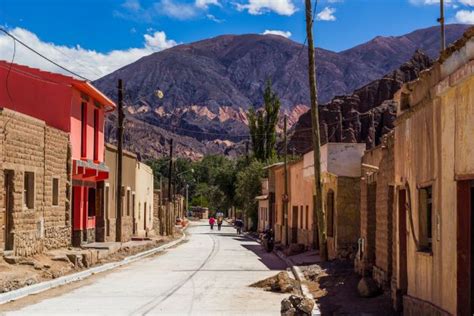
{"x": 281, "y": 283}
{"x": 367, "y": 287}
{"x": 296, "y": 305}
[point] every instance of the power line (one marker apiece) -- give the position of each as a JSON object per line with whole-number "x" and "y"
{"x": 43, "y": 56}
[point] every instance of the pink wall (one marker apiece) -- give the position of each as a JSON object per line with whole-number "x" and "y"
{"x": 44, "y": 99}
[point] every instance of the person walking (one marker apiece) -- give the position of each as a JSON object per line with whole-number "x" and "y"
{"x": 239, "y": 224}
{"x": 219, "y": 222}
{"x": 212, "y": 221}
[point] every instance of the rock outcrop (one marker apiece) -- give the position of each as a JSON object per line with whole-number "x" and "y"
{"x": 363, "y": 116}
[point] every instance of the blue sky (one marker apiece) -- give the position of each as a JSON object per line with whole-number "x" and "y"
{"x": 111, "y": 29}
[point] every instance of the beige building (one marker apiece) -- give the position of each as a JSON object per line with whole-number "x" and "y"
{"x": 340, "y": 172}
{"x": 110, "y": 225}
{"x": 36, "y": 182}
{"x": 434, "y": 173}
{"x": 143, "y": 199}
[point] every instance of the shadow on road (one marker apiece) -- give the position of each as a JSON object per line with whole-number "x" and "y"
{"x": 269, "y": 259}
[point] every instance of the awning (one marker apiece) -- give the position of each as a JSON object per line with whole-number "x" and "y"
{"x": 88, "y": 169}
{"x": 262, "y": 197}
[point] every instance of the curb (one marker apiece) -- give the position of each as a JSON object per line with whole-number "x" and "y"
{"x": 300, "y": 277}
{"x": 47, "y": 285}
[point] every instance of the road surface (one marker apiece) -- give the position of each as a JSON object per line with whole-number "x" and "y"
{"x": 209, "y": 274}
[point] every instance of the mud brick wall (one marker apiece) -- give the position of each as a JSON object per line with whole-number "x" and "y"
{"x": 348, "y": 216}
{"x": 56, "y": 217}
{"x": 28, "y": 145}
{"x": 384, "y": 214}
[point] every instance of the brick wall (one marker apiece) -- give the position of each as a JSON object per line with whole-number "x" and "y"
{"x": 28, "y": 145}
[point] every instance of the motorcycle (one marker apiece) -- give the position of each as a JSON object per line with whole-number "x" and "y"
{"x": 268, "y": 240}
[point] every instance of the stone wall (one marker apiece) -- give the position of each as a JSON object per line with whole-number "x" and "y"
{"x": 28, "y": 145}
{"x": 156, "y": 212}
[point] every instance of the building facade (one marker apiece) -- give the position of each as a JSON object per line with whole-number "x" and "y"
{"x": 434, "y": 173}
{"x": 35, "y": 177}
{"x": 76, "y": 108}
{"x": 263, "y": 207}
{"x": 143, "y": 216}
{"x": 110, "y": 225}
{"x": 340, "y": 175}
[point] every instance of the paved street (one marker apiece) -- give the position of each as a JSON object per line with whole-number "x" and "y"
{"x": 207, "y": 275}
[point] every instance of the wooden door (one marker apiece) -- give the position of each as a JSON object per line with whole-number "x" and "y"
{"x": 6, "y": 221}
{"x": 294, "y": 230}
{"x": 464, "y": 248}
{"x": 402, "y": 237}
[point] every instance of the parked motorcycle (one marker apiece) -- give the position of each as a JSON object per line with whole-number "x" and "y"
{"x": 268, "y": 240}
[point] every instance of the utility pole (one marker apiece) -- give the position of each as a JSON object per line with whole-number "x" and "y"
{"x": 318, "y": 197}
{"x": 442, "y": 23}
{"x": 285, "y": 196}
{"x": 170, "y": 176}
{"x": 119, "y": 192}
{"x": 187, "y": 200}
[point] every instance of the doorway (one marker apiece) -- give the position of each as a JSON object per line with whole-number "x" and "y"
{"x": 6, "y": 215}
{"x": 465, "y": 248}
{"x": 294, "y": 226}
{"x": 402, "y": 238}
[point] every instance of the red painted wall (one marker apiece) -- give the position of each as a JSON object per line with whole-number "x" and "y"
{"x": 37, "y": 97}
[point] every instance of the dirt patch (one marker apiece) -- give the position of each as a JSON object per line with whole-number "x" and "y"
{"x": 334, "y": 287}
{"x": 280, "y": 283}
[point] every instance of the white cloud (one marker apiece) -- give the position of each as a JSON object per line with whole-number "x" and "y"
{"x": 429, "y": 2}
{"x": 176, "y": 9}
{"x": 214, "y": 18}
{"x": 256, "y": 7}
{"x": 88, "y": 63}
{"x": 327, "y": 14}
{"x": 180, "y": 11}
{"x": 465, "y": 16}
{"x": 133, "y": 5}
{"x": 204, "y": 4}
{"x": 467, "y": 2}
{"x": 286, "y": 34}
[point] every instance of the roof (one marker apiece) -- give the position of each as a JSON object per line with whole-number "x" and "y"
{"x": 278, "y": 164}
{"x": 81, "y": 85}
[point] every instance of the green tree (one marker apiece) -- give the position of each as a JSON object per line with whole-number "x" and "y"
{"x": 262, "y": 125}
{"x": 248, "y": 187}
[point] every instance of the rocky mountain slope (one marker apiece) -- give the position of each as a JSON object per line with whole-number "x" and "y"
{"x": 209, "y": 85}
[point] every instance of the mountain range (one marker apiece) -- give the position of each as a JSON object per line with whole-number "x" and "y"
{"x": 209, "y": 85}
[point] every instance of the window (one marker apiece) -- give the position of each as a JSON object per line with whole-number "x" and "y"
{"x": 29, "y": 190}
{"x": 425, "y": 218}
{"x": 84, "y": 129}
{"x": 91, "y": 202}
{"x": 330, "y": 213}
{"x": 96, "y": 134}
{"x": 139, "y": 207}
{"x": 55, "y": 191}
{"x": 133, "y": 204}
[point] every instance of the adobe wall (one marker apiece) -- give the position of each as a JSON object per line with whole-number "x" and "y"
{"x": 28, "y": 145}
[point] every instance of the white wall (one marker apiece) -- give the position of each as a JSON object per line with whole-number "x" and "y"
{"x": 341, "y": 159}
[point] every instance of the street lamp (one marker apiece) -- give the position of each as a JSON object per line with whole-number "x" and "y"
{"x": 186, "y": 187}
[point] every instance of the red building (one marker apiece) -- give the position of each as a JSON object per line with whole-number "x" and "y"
{"x": 78, "y": 108}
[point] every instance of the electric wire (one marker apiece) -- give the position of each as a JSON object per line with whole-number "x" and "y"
{"x": 43, "y": 56}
